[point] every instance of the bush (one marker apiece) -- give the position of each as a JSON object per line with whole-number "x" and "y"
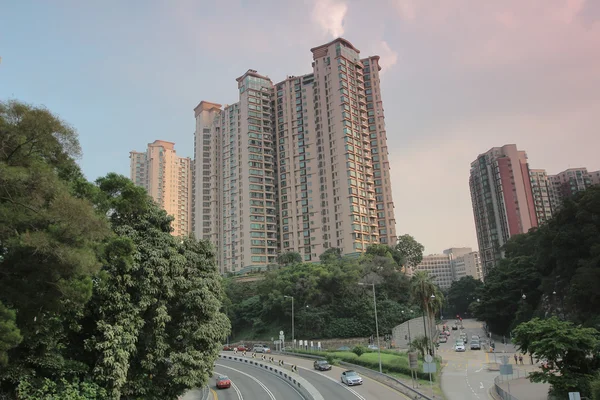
{"x": 359, "y": 350}
{"x": 391, "y": 361}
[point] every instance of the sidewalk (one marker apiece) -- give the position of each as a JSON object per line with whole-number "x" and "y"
{"x": 522, "y": 389}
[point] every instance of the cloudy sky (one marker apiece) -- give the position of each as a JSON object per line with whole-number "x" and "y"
{"x": 460, "y": 76}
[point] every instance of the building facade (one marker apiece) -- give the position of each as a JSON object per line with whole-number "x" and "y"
{"x": 595, "y": 177}
{"x": 302, "y": 164}
{"x": 568, "y": 183}
{"x": 502, "y": 199}
{"x": 439, "y": 267}
{"x": 543, "y": 194}
{"x": 168, "y": 179}
{"x": 454, "y": 264}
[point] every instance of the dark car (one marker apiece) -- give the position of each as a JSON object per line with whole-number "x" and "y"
{"x": 322, "y": 365}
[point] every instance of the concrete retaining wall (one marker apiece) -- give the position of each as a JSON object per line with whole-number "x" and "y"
{"x": 411, "y": 329}
{"x": 307, "y": 390}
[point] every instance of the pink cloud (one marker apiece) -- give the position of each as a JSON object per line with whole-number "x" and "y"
{"x": 492, "y": 34}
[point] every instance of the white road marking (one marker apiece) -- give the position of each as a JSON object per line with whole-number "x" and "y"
{"x": 467, "y": 380}
{"x": 481, "y": 385}
{"x": 354, "y": 392}
{"x": 266, "y": 389}
{"x": 237, "y": 390}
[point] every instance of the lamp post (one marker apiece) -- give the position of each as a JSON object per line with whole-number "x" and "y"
{"x": 292, "y": 297}
{"x": 432, "y": 325}
{"x": 376, "y": 322}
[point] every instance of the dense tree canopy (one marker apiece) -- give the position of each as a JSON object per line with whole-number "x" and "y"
{"x": 48, "y": 240}
{"x": 328, "y": 300}
{"x": 97, "y": 299}
{"x": 462, "y": 294}
{"x": 572, "y": 353}
{"x": 409, "y": 251}
{"x": 556, "y": 267}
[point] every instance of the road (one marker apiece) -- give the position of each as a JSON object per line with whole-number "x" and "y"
{"x": 247, "y": 383}
{"x": 465, "y": 376}
{"x": 251, "y": 383}
{"x": 328, "y": 383}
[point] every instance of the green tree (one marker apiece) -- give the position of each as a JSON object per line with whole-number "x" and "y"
{"x": 155, "y": 325}
{"x": 420, "y": 344}
{"x": 289, "y": 258}
{"x": 10, "y": 336}
{"x": 428, "y": 296}
{"x": 62, "y": 390}
{"x": 501, "y": 303}
{"x": 49, "y": 237}
{"x": 571, "y": 351}
{"x": 462, "y": 293}
{"x": 332, "y": 254}
{"x": 595, "y": 387}
{"x": 409, "y": 250}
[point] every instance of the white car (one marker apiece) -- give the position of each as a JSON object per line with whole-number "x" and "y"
{"x": 261, "y": 348}
{"x": 351, "y": 378}
{"x": 460, "y": 346}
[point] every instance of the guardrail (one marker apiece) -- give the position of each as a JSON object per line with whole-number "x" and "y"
{"x": 505, "y": 395}
{"x": 304, "y": 387}
{"x": 387, "y": 380}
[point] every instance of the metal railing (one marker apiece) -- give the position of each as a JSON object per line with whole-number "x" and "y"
{"x": 500, "y": 379}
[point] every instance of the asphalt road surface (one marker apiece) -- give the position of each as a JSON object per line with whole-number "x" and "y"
{"x": 330, "y": 386}
{"x": 251, "y": 383}
{"x": 465, "y": 376}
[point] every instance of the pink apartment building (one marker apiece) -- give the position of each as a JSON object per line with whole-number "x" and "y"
{"x": 503, "y": 200}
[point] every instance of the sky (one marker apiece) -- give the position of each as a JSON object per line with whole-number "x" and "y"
{"x": 459, "y": 77}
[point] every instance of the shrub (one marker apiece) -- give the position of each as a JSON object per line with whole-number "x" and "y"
{"x": 359, "y": 350}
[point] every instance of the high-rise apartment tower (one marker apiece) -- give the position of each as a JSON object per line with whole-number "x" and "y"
{"x": 300, "y": 165}
{"x": 168, "y": 179}
{"x": 502, "y": 198}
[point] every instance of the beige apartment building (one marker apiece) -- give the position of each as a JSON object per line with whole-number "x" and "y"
{"x": 542, "y": 194}
{"x": 168, "y": 179}
{"x": 595, "y": 177}
{"x": 454, "y": 264}
{"x": 300, "y": 165}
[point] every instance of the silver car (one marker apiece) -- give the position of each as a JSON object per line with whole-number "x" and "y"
{"x": 351, "y": 378}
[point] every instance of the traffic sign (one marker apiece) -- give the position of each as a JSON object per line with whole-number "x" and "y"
{"x": 280, "y": 332}
{"x": 428, "y": 358}
{"x": 429, "y": 367}
{"x": 413, "y": 360}
{"x": 506, "y": 369}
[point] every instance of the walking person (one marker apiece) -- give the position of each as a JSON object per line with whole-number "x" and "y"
{"x": 521, "y": 358}
{"x": 516, "y": 358}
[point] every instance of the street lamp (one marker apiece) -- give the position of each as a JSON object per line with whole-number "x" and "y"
{"x": 292, "y": 297}
{"x": 376, "y": 323}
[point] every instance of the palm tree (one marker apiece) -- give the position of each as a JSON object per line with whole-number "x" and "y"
{"x": 422, "y": 289}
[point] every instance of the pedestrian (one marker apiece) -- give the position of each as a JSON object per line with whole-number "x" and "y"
{"x": 521, "y": 358}
{"x": 516, "y": 359}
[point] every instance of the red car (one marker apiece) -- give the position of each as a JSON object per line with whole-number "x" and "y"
{"x": 223, "y": 382}
{"x": 242, "y": 347}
